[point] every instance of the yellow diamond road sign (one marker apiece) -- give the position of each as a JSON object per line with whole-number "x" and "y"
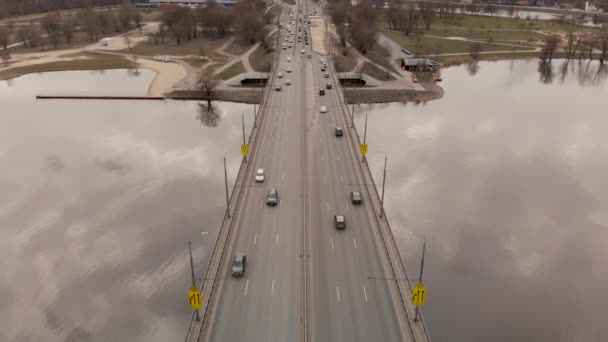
{"x": 245, "y": 149}
{"x": 363, "y": 149}
{"x": 195, "y": 298}
{"x": 419, "y": 294}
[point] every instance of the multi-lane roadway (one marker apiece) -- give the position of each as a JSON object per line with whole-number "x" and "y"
{"x": 306, "y": 280}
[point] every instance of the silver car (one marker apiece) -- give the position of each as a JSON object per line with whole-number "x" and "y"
{"x": 238, "y": 265}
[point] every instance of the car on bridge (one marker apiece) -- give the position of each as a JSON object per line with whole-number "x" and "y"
{"x": 272, "y": 198}
{"x": 328, "y": 85}
{"x": 278, "y": 87}
{"x": 355, "y": 197}
{"x": 340, "y": 221}
{"x": 326, "y": 75}
{"x": 287, "y": 81}
{"x": 323, "y": 109}
{"x": 339, "y": 131}
{"x": 239, "y": 264}
{"x": 321, "y": 91}
{"x": 259, "y": 175}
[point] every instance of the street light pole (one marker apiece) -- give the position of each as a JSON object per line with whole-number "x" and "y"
{"x": 243, "y": 119}
{"x": 226, "y": 181}
{"x": 196, "y": 317}
{"x": 365, "y": 136}
{"x": 352, "y": 117}
{"x": 417, "y": 316}
{"x": 383, "y": 183}
{"x": 255, "y": 117}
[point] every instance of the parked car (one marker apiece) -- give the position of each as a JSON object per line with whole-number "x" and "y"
{"x": 406, "y": 51}
{"x": 323, "y": 109}
{"x": 355, "y": 197}
{"x": 239, "y": 264}
{"x": 340, "y": 221}
{"x": 339, "y": 131}
{"x": 259, "y": 175}
{"x": 272, "y": 197}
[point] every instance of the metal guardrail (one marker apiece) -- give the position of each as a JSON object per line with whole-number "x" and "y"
{"x": 209, "y": 281}
{"x": 390, "y": 244}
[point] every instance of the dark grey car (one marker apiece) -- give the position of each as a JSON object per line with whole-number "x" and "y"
{"x": 355, "y": 197}
{"x": 238, "y": 265}
{"x": 340, "y": 221}
{"x": 339, "y": 132}
{"x": 272, "y": 198}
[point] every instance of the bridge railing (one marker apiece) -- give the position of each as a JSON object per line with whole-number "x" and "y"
{"x": 401, "y": 277}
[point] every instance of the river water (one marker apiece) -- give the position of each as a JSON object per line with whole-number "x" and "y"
{"x": 506, "y": 177}
{"x": 98, "y": 200}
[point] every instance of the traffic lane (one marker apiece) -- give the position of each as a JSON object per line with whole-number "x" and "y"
{"x": 366, "y": 239}
{"x": 245, "y": 236}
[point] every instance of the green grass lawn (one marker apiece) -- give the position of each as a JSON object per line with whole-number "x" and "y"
{"x": 432, "y": 46}
{"x": 371, "y": 70}
{"x": 196, "y": 47}
{"x": 261, "y": 60}
{"x": 485, "y": 34}
{"x": 95, "y": 62}
{"x": 238, "y": 48}
{"x": 378, "y": 54}
{"x": 232, "y": 71}
{"x": 487, "y": 22}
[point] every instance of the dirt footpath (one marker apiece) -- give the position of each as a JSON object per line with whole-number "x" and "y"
{"x": 318, "y": 30}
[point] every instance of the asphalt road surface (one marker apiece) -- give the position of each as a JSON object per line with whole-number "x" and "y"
{"x": 348, "y": 297}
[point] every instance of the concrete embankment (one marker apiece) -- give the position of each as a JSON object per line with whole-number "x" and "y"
{"x": 353, "y": 95}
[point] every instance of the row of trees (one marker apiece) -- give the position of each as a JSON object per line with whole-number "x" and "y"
{"x": 55, "y": 28}
{"x": 247, "y": 19}
{"x": 24, "y": 7}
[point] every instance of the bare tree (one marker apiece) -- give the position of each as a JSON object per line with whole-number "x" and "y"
{"x": 5, "y": 55}
{"x": 90, "y": 22}
{"x": 54, "y": 38}
{"x": 67, "y": 29}
{"x": 427, "y": 12}
{"x": 208, "y": 114}
{"x": 206, "y": 83}
{"x": 11, "y": 25}
{"x": 124, "y": 15}
{"x": 475, "y": 51}
{"x": 549, "y": 48}
{"x": 50, "y": 22}
{"x": 4, "y": 36}
{"x": 602, "y": 37}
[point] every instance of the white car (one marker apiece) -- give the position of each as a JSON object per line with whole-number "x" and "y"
{"x": 287, "y": 82}
{"x": 302, "y": 51}
{"x": 289, "y": 59}
{"x": 280, "y": 75}
{"x": 259, "y": 175}
{"x": 309, "y": 55}
{"x": 323, "y": 109}
{"x": 288, "y": 70}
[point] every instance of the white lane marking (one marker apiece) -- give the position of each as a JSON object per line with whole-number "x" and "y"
{"x": 276, "y": 240}
{"x": 272, "y": 288}
{"x": 327, "y": 206}
{"x": 324, "y": 179}
{"x": 283, "y": 177}
{"x": 286, "y": 139}
{"x": 365, "y": 293}
{"x": 280, "y": 204}
{"x": 332, "y": 242}
{"x": 261, "y": 202}
{"x": 320, "y": 139}
{"x": 342, "y": 179}
{"x": 255, "y": 238}
{"x": 347, "y": 206}
{"x": 338, "y": 158}
{"x": 246, "y": 286}
{"x": 322, "y": 157}
{"x": 338, "y": 293}
{"x": 355, "y": 242}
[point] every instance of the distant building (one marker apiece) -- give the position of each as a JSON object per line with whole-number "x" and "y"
{"x": 419, "y": 64}
{"x": 197, "y": 3}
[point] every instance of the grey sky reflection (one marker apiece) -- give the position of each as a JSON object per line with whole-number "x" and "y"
{"x": 505, "y": 177}
{"x": 97, "y": 204}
